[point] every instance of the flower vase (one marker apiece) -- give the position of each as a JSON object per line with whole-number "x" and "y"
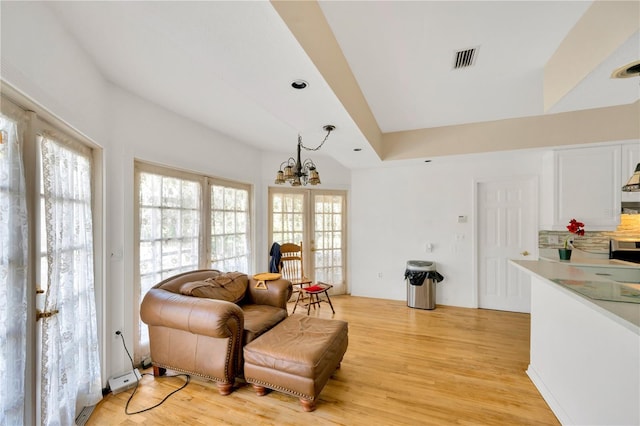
{"x": 565, "y": 254}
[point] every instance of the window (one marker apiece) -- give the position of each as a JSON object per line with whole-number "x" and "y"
{"x": 169, "y": 214}
{"x": 229, "y": 228}
{"x": 186, "y": 221}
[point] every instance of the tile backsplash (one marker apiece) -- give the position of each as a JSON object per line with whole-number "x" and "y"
{"x": 593, "y": 241}
{"x": 629, "y": 226}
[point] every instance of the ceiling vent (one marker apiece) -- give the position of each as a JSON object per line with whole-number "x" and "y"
{"x": 465, "y": 58}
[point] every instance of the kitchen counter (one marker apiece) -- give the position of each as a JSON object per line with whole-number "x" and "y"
{"x": 584, "y": 352}
{"x": 626, "y": 314}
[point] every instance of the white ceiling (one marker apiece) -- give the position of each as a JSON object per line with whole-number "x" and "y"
{"x": 228, "y": 64}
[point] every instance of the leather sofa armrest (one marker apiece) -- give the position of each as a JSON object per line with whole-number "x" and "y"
{"x": 276, "y": 294}
{"x": 209, "y": 317}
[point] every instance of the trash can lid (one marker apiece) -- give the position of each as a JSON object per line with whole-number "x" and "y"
{"x": 421, "y": 265}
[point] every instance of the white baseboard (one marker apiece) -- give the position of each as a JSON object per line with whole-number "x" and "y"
{"x": 551, "y": 401}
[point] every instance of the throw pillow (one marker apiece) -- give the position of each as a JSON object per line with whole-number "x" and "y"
{"x": 230, "y": 286}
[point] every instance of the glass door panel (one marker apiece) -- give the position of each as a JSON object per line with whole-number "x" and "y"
{"x": 328, "y": 238}
{"x": 288, "y": 217}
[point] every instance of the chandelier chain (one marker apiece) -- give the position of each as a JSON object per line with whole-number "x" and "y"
{"x": 316, "y": 148}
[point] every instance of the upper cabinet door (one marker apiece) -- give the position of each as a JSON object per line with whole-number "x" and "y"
{"x": 630, "y": 159}
{"x": 587, "y": 187}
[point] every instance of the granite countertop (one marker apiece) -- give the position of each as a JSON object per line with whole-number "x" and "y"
{"x": 626, "y": 314}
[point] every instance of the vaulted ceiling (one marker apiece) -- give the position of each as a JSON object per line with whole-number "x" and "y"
{"x": 382, "y": 72}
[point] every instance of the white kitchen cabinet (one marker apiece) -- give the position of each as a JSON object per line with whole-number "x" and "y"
{"x": 630, "y": 159}
{"x": 582, "y": 183}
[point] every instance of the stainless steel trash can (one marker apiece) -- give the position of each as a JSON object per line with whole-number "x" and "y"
{"x": 421, "y": 277}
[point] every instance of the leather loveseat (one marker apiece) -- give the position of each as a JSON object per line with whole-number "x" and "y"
{"x": 199, "y": 321}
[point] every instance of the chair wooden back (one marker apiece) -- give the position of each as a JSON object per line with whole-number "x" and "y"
{"x": 291, "y": 263}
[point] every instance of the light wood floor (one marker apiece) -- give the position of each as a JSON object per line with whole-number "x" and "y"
{"x": 403, "y": 367}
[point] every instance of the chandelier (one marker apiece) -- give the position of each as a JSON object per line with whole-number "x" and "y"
{"x": 298, "y": 172}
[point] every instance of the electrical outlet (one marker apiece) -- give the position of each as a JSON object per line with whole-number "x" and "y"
{"x": 117, "y": 334}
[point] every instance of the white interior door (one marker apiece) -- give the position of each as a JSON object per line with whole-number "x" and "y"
{"x": 506, "y": 229}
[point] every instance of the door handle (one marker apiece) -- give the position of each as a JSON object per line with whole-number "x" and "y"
{"x": 45, "y": 314}
{"x": 525, "y": 253}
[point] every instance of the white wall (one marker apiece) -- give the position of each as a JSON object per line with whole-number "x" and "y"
{"x": 396, "y": 211}
{"x": 40, "y": 59}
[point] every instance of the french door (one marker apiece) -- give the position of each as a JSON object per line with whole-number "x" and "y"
{"x": 318, "y": 219}
{"x": 49, "y": 343}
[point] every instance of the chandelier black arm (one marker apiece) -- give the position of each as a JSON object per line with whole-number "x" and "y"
{"x": 290, "y": 162}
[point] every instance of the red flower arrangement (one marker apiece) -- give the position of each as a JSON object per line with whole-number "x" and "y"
{"x": 574, "y": 227}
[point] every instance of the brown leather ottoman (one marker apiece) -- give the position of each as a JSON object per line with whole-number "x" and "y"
{"x": 297, "y": 357}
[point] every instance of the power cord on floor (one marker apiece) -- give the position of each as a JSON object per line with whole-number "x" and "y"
{"x": 126, "y": 408}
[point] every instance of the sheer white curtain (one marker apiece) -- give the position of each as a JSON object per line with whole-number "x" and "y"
{"x": 13, "y": 274}
{"x": 70, "y": 361}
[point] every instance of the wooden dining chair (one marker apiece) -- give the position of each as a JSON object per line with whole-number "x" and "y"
{"x": 291, "y": 265}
